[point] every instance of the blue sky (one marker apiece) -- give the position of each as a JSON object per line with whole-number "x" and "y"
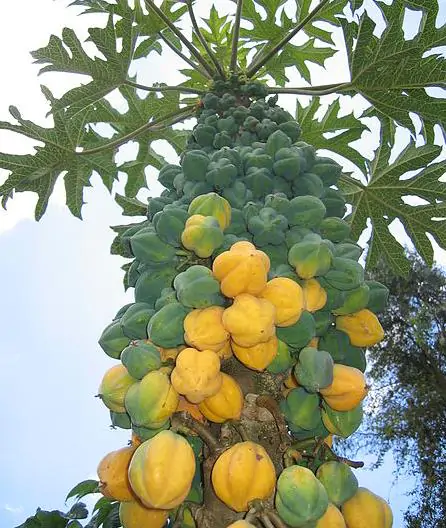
{"x": 60, "y": 288}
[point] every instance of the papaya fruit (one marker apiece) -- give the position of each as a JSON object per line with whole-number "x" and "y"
{"x": 315, "y": 297}
{"x": 342, "y": 423}
{"x": 338, "y": 480}
{"x": 362, "y": 328}
{"x": 300, "y": 497}
{"x": 113, "y": 474}
{"x": 152, "y": 400}
{"x": 146, "y": 433}
{"x": 202, "y": 235}
{"x": 113, "y": 340}
{"x": 299, "y": 334}
{"x": 249, "y": 465}
{"x": 196, "y": 374}
{"x": 354, "y": 300}
{"x": 301, "y": 409}
{"x": 344, "y": 274}
{"x": 241, "y": 524}
{"x": 250, "y": 320}
{"x": 161, "y": 470}
{"x": 212, "y": 204}
{"x": 135, "y": 319}
{"x": 120, "y": 419}
{"x": 378, "y": 296}
{"x": 242, "y": 269}
{"x": 282, "y": 361}
{"x": 334, "y": 229}
{"x": 140, "y": 358}
{"x": 165, "y": 328}
{"x": 347, "y": 390}
{"x": 332, "y": 518}
{"x": 306, "y": 211}
{"x": 151, "y": 282}
{"x": 133, "y": 514}
{"x": 224, "y": 405}
{"x": 310, "y": 258}
{"x": 288, "y": 299}
{"x": 169, "y": 224}
{"x": 257, "y": 357}
{"x": 148, "y": 247}
{"x": 367, "y": 510}
{"x": 198, "y": 288}
{"x": 114, "y": 386}
{"x": 268, "y": 227}
{"x": 204, "y": 330}
{"x": 314, "y": 369}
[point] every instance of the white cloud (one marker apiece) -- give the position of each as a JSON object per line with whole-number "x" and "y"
{"x": 13, "y": 509}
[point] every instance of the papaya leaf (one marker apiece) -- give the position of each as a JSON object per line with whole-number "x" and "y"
{"x": 382, "y": 200}
{"x": 39, "y": 172}
{"x": 393, "y": 73}
{"x": 87, "y": 487}
{"x": 331, "y": 132}
{"x": 131, "y": 206}
{"x": 106, "y": 74}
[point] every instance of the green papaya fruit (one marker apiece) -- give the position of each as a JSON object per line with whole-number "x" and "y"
{"x": 121, "y": 420}
{"x": 169, "y": 224}
{"x": 198, "y": 288}
{"x": 283, "y": 360}
{"x": 146, "y": 433}
{"x": 354, "y": 300}
{"x": 167, "y": 296}
{"x": 140, "y": 358}
{"x": 378, "y": 296}
{"x": 335, "y": 229}
{"x": 338, "y": 480}
{"x": 113, "y": 340}
{"x": 165, "y": 328}
{"x": 150, "y": 283}
{"x": 324, "y": 320}
{"x": 327, "y": 169}
{"x": 310, "y": 258}
{"x": 314, "y": 369}
{"x": 306, "y": 211}
{"x": 301, "y": 408}
{"x": 292, "y": 129}
{"x": 342, "y": 423}
{"x": 334, "y": 202}
{"x": 135, "y": 319}
{"x": 308, "y": 184}
{"x": 276, "y": 141}
{"x": 348, "y": 250}
{"x": 268, "y": 227}
{"x": 148, "y": 248}
{"x": 167, "y": 174}
{"x": 299, "y": 334}
{"x": 344, "y": 274}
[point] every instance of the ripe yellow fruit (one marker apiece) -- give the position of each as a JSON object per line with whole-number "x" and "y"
{"x": 196, "y": 374}
{"x": 204, "y": 330}
{"x": 367, "y": 510}
{"x": 288, "y": 299}
{"x": 114, "y": 386}
{"x": 243, "y": 473}
{"x": 363, "y": 328}
{"x": 315, "y": 297}
{"x": 226, "y": 404}
{"x": 250, "y": 320}
{"x": 134, "y": 515}
{"x": 161, "y": 470}
{"x": 242, "y": 269}
{"x": 112, "y": 472}
{"x": 259, "y": 356}
{"x": 347, "y": 390}
{"x": 332, "y": 518}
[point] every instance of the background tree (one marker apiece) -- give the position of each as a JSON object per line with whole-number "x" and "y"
{"x": 407, "y": 403}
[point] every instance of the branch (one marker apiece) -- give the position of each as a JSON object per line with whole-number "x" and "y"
{"x": 235, "y": 35}
{"x": 203, "y": 432}
{"x": 255, "y": 67}
{"x": 278, "y": 523}
{"x": 240, "y": 430}
{"x": 269, "y": 403}
{"x": 203, "y": 40}
{"x": 351, "y": 463}
{"x": 312, "y": 90}
{"x": 156, "y": 124}
{"x": 184, "y": 89}
{"x": 186, "y": 59}
{"x": 150, "y": 4}
{"x": 266, "y": 521}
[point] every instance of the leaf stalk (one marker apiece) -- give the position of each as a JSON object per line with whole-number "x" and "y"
{"x": 312, "y": 90}
{"x": 179, "y": 88}
{"x": 236, "y": 35}
{"x": 256, "y": 66}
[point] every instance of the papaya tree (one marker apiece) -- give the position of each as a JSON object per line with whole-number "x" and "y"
{"x": 244, "y": 351}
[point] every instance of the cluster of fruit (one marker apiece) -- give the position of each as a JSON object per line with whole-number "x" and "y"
{"x": 245, "y": 257}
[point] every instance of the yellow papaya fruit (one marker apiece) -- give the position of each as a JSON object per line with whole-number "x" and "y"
{"x": 250, "y": 320}
{"x": 133, "y": 514}
{"x": 226, "y": 404}
{"x": 315, "y": 297}
{"x": 204, "y": 330}
{"x": 196, "y": 374}
{"x": 212, "y": 204}
{"x": 190, "y": 408}
{"x": 287, "y": 297}
{"x": 257, "y": 357}
{"x": 367, "y": 510}
{"x": 243, "y": 473}
{"x": 241, "y": 524}
{"x": 202, "y": 235}
{"x": 114, "y": 386}
{"x": 113, "y": 474}
{"x": 242, "y": 269}
{"x": 332, "y": 518}
{"x": 348, "y": 389}
{"x": 362, "y": 328}
{"x": 161, "y": 470}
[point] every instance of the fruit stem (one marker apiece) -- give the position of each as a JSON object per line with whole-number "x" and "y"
{"x": 240, "y": 430}
{"x": 266, "y": 521}
{"x": 276, "y": 520}
{"x": 203, "y": 432}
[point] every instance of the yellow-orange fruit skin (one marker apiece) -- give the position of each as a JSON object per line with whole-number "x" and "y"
{"x": 288, "y": 299}
{"x": 112, "y": 473}
{"x": 315, "y": 297}
{"x": 196, "y": 374}
{"x": 259, "y": 356}
{"x": 226, "y": 404}
{"x": 241, "y": 524}
{"x": 161, "y": 470}
{"x": 114, "y": 387}
{"x": 250, "y": 320}
{"x": 243, "y": 473}
{"x": 332, "y": 518}
{"x": 133, "y": 514}
{"x": 242, "y": 269}
{"x": 362, "y": 328}
{"x": 367, "y": 510}
{"x": 204, "y": 330}
{"x": 347, "y": 390}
